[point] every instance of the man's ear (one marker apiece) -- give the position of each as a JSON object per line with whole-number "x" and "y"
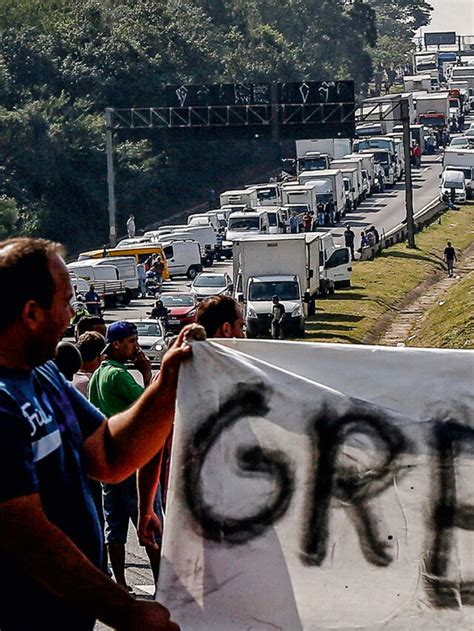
{"x": 227, "y": 330}
{"x": 32, "y": 315}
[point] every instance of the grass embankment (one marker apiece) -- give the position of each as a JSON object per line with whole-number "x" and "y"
{"x": 449, "y": 324}
{"x": 379, "y": 287}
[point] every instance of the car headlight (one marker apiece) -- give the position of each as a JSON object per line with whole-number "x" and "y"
{"x": 296, "y": 313}
{"x": 251, "y": 314}
{"x": 191, "y": 313}
{"x": 158, "y": 346}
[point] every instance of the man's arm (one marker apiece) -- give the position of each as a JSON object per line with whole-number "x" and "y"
{"x": 148, "y": 521}
{"x": 128, "y": 440}
{"x": 47, "y": 555}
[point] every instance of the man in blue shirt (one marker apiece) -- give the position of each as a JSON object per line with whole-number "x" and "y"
{"x": 51, "y": 440}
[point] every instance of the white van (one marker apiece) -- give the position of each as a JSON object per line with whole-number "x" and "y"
{"x": 204, "y": 235}
{"x": 127, "y": 271}
{"x": 251, "y": 221}
{"x": 453, "y": 180}
{"x": 183, "y": 257}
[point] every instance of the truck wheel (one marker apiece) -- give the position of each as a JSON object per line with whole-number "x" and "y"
{"x": 208, "y": 260}
{"x": 192, "y": 273}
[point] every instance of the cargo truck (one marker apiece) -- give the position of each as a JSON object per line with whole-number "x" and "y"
{"x": 369, "y": 171}
{"x": 307, "y": 159}
{"x": 461, "y": 160}
{"x": 432, "y": 110}
{"x": 350, "y": 163}
{"x": 300, "y": 194}
{"x": 105, "y": 279}
{"x": 291, "y": 267}
{"x": 417, "y": 83}
{"x": 246, "y": 196}
{"x": 333, "y": 147}
{"x": 329, "y": 185}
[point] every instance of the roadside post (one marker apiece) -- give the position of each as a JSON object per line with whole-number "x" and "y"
{"x": 405, "y": 115}
{"x": 109, "y": 148}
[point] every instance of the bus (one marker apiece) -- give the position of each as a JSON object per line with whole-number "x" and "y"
{"x": 140, "y": 251}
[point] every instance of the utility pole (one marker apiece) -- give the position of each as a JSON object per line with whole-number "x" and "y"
{"x": 109, "y": 148}
{"x": 405, "y": 116}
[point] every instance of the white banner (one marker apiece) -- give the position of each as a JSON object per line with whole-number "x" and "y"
{"x": 319, "y": 487}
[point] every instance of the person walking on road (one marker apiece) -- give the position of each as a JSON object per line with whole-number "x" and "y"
{"x": 329, "y": 212}
{"x": 308, "y": 221}
{"x": 51, "y": 441}
{"x": 141, "y": 274}
{"x": 131, "y": 227}
{"x": 320, "y": 213}
{"x": 112, "y": 390}
{"x": 349, "y": 239}
{"x": 450, "y": 258}
{"x": 278, "y": 318}
{"x": 293, "y": 223}
{"x": 159, "y": 268}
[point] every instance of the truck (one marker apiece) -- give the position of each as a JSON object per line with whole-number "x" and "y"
{"x": 203, "y": 219}
{"x": 267, "y": 194}
{"x": 333, "y": 147}
{"x": 462, "y": 71}
{"x": 247, "y": 221}
{"x": 104, "y": 279}
{"x": 351, "y": 163}
{"x": 417, "y": 83}
{"x": 461, "y": 160}
{"x": 127, "y": 272}
{"x": 289, "y": 266}
{"x": 307, "y": 159}
{"x": 369, "y": 171}
{"x": 391, "y": 166}
{"x": 426, "y": 61}
{"x": 204, "y": 235}
{"x": 385, "y": 161}
{"x": 293, "y": 193}
{"x": 351, "y": 187}
{"x": 432, "y": 110}
{"x": 246, "y": 196}
{"x": 329, "y": 185}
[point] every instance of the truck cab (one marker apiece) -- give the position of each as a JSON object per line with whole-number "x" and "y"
{"x": 183, "y": 257}
{"x": 247, "y": 221}
{"x": 313, "y": 161}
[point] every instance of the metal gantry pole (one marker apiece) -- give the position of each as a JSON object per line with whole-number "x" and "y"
{"x": 109, "y": 148}
{"x": 405, "y": 115}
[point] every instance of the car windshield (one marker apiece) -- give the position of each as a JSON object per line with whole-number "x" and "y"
{"x": 178, "y": 300}
{"x": 457, "y": 185}
{"x": 459, "y": 141}
{"x": 285, "y": 290}
{"x": 148, "y": 328}
{"x": 210, "y": 281}
{"x": 243, "y": 223}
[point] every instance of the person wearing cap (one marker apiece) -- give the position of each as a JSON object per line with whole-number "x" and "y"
{"x": 113, "y": 389}
{"x": 52, "y": 440}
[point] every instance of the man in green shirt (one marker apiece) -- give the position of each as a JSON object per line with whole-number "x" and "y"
{"x": 113, "y": 389}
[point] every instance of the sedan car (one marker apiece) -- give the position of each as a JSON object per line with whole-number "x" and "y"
{"x": 211, "y": 284}
{"x": 181, "y": 308}
{"x": 151, "y": 338}
{"x": 461, "y": 142}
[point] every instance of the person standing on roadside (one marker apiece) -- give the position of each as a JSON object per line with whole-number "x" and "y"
{"x": 131, "y": 226}
{"x": 307, "y": 221}
{"x": 293, "y": 223}
{"x": 92, "y": 301}
{"x": 329, "y": 211}
{"x": 141, "y": 274}
{"x": 51, "y": 440}
{"x": 91, "y": 347}
{"x": 320, "y": 213}
{"x": 159, "y": 268}
{"x": 349, "y": 239}
{"x": 450, "y": 258}
{"x": 112, "y": 390}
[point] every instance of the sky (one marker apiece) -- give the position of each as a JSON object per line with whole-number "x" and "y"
{"x": 452, "y": 15}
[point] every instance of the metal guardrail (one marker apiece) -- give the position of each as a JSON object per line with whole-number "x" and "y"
{"x": 399, "y": 233}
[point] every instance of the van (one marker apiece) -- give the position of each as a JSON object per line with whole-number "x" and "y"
{"x": 453, "y": 181}
{"x": 183, "y": 257}
{"x": 203, "y": 219}
{"x": 105, "y": 279}
{"x": 204, "y": 235}
{"x": 250, "y": 221}
{"x": 139, "y": 252}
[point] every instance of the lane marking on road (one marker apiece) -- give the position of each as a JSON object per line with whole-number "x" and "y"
{"x": 426, "y": 169}
{"x": 146, "y": 589}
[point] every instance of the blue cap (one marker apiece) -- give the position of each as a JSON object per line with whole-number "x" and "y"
{"x": 119, "y": 331}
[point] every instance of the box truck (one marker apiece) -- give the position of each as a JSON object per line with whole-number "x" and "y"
{"x": 344, "y": 163}
{"x": 461, "y": 160}
{"x": 329, "y": 185}
{"x": 334, "y": 147}
{"x": 246, "y": 196}
{"x": 432, "y": 110}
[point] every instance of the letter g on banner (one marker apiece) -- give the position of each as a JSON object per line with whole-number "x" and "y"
{"x": 247, "y": 400}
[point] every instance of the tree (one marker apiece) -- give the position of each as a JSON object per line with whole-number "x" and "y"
{"x": 8, "y": 216}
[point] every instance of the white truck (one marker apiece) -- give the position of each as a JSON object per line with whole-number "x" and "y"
{"x": 104, "y": 279}
{"x": 432, "y": 110}
{"x": 461, "y": 160}
{"x": 267, "y": 194}
{"x": 334, "y": 147}
{"x": 204, "y": 235}
{"x": 350, "y": 163}
{"x": 307, "y": 159}
{"x": 417, "y": 83}
{"x": 246, "y": 196}
{"x": 389, "y": 162}
{"x": 462, "y": 71}
{"x": 368, "y": 171}
{"x": 202, "y": 220}
{"x": 294, "y": 267}
{"x": 183, "y": 257}
{"x": 329, "y": 185}
{"x": 247, "y": 221}
{"x": 351, "y": 187}
{"x": 127, "y": 272}
{"x": 300, "y": 194}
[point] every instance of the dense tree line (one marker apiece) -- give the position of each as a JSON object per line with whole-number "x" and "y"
{"x": 63, "y": 62}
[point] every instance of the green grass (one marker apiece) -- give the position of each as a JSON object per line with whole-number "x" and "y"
{"x": 449, "y": 324}
{"x": 379, "y": 287}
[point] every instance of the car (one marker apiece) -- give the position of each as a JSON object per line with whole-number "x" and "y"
{"x": 211, "y": 284}
{"x": 469, "y": 133}
{"x": 461, "y": 142}
{"x": 181, "y": 307}
{"x": 151, "y": 338}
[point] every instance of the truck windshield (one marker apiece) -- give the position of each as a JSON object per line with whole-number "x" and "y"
{"x": 265, "y": 194}
{"x": 285, "y": 290}
{"x": 272, "y": 219}
{"x": 382, "y": 157}
{"x": 312, "y": 164}
{"x": 456, "y": 185}
{"x": 199, "y": 221}
{"x": 243, "y": 224}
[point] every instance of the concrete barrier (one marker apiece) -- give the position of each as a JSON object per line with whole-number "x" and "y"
{"x": 399, "y": 233}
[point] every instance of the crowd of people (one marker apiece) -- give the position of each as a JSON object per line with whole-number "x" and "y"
{"x": 83, "y": 448}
